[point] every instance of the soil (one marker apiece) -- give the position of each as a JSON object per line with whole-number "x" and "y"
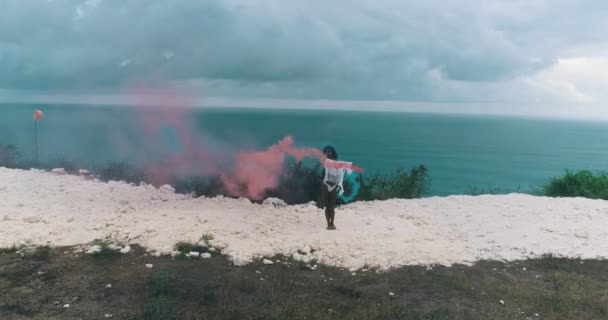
{"x": 40, "y": 283}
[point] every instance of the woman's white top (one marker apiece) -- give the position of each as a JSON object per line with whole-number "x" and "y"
{"x": 334, "y": 177}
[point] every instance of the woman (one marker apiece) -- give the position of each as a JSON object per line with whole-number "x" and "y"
{"x": 329, "y": 193}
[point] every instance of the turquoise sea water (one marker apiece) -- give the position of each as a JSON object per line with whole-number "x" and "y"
{"x": 460, "y": 151}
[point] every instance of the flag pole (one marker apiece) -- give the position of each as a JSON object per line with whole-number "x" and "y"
{"x": 37, "y": 116}
{"x": 36, "y": 141}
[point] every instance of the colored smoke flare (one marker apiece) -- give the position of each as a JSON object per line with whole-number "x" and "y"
{"x": 173, "y": 147}
{"x": 259, "y": 171}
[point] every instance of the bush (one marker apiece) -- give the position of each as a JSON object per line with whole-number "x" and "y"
{"x": 121, "y": 171}
{"x": 301, "y": 184}
{"x": 578, "y": 184}
{"x": 9, "y": 156}
{"x": 398, "y": 184}
{"x": 202, "y": 186}
{"x": 298, "y": 184}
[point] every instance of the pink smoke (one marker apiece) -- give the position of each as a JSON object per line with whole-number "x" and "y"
{"x": 243, "y": 173}
{"x": 256, "y": 172}
{"x": 159, "y": 108}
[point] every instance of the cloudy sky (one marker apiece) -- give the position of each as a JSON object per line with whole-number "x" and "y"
{"x": 540, "y": 57}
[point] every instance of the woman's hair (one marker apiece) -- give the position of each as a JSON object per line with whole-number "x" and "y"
{"x": 333, "y": 151}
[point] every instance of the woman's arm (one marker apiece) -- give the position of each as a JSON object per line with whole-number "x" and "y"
{"x": 341, "y": 165}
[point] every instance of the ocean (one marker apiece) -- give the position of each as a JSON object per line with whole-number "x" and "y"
{"x": 504, "y": 154}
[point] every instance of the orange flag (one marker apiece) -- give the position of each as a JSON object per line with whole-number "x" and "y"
{"x": 38, "y": 114}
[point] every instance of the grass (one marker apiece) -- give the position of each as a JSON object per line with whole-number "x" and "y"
{"x": 12, "y": 249}
{"x": 41, "y": 253}
{"x": 106, "y": 251}
{"x": 296, "y": 293}
{"x": 554, "y": 288}
{"x": 162, "y": 306}
{"x": 184, "y": 248}
{"x": 159, "y": 309}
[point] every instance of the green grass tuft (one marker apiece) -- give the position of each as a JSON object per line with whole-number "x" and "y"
{"x": 105, "y": 251}
{"x": 207, "y": 238}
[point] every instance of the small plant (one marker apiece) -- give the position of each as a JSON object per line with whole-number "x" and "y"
{"x": 103, "y": 243}
{"x": 207, "y": 238}
{"x": 184, "y": 248}
{"x": 106, "y": 250}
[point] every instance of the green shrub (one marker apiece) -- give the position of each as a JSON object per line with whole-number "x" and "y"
{"x": 578, "y": 184}
{"x": 401, "y": 183}
{"x": 298, "y": 184}
{"x": 209, "y": 187}
{"x": 121, "y": 171}
{"x": 184, "y": 248}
